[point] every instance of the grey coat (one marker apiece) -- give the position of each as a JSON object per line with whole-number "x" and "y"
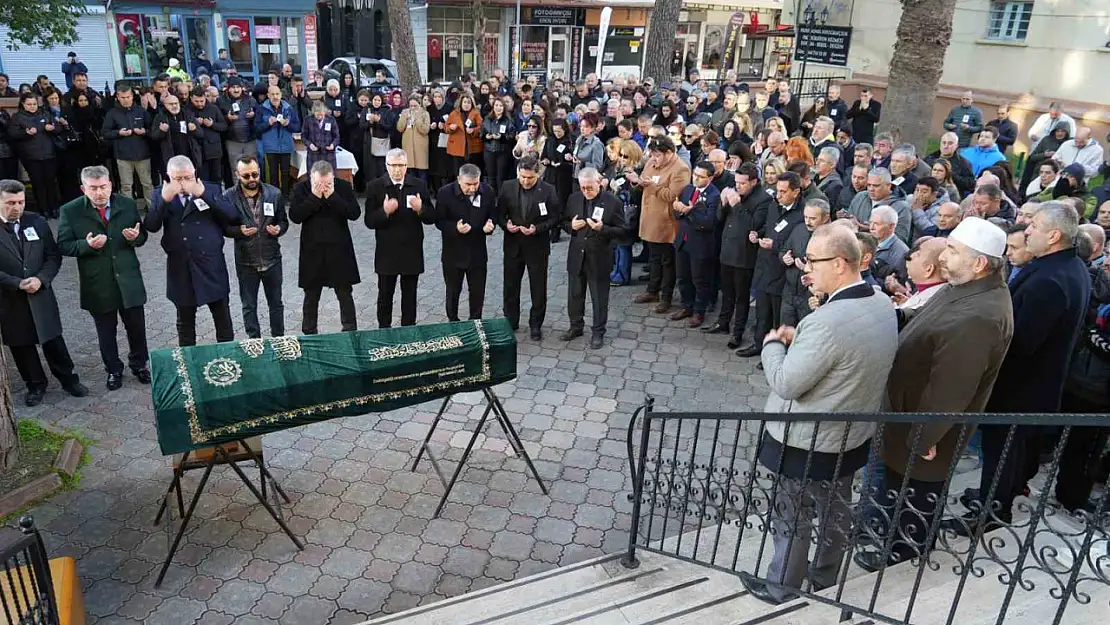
{"x": 862, "y": 206}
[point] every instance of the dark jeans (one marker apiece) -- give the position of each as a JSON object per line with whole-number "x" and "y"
{"x": 537, "y": 287}
{"x": 915, "y": 516}
{"x": 661, "y": 278}
{"x": 475, "y": 276}
{"x": 27, "y": 362}
{"x": 249, "y": 280}
{"x": 310, "y": 313}
{"x": 694, "y": 278}
{"x": 187, "y": 323}
{"x": 768, "y": 311}
{"x": 387, "y": 287}
{"x": 598, "y": 286}
{"x": 622, "y": 265}
{"x": 134, "y": 324}
{"x": 44, "y": 185}
{"x": 497, "y": 163}
{"x": 277, "y": 171}
{"x": 736, "y": 286}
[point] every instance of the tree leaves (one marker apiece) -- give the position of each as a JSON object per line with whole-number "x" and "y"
{"x": 40, "y": 23}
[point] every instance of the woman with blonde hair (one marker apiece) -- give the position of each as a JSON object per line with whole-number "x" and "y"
{"x": 464, "y": 139}
{"x": 530, "y": 141}
{"x": 772, "y": 169}
{"x": 629, "y": 158}
{"x": 942, "y": 171}
{"x": 414, "y": 124}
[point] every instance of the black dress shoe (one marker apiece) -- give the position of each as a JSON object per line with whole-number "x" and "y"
{"x": 969, "y": 525}
{"x": 76, "y": 389}
{"x": 758, "y": 589}
{"x": 570, "y": 335}
{"x": 34, "y": 396}
{"x": 733, "y": 343}
{"x": 536, "y": 334}
{"x": 115, "y": 381}
{"x": 596, "y": 340}
{"x": 716, "y": 328}
{"x": 143, "y": 375}
{"x": 749, "y": 351}
{"x": 870, "y": 561}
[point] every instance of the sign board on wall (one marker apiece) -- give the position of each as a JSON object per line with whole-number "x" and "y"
{"x": 552, "y": 16}
{"x": 312, "y": 60}
{"x": 824, "y": 44}
{"x": 262, "y": 31}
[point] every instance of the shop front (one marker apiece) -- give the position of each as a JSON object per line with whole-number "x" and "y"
{"x": 717, "y": 36}
{"x": 451, "y": 49}
{"x": 551, "y": 42}
{"x": 625, "y": 39}
{"x": 150, "y": 34}
{"x": 260, "y": 36}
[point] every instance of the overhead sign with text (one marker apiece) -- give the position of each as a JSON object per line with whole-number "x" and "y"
{"x": 825, "y": 44}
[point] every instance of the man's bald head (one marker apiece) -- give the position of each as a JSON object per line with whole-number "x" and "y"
{"x": 1098, "y": 239}
{"x": 1082, "y": 136}
{"x": 923, "y": 261}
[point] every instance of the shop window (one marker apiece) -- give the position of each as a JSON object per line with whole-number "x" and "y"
{"x": 450, "y": 41}
{"x": 1009, "y": 21}
{"x": 379, "y": 34}
{"x": 713, "y": 54}
{"x": 240, "y": 45}
{"x": 267, "y": 37}
{"x": 291, "y": 29}
{"x": 148, "y": 42}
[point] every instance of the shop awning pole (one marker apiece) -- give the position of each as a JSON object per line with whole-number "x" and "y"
{"x": 516, "y": 44}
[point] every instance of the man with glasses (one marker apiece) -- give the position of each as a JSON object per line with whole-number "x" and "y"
{"x": 527, "y": 209}
{"x": 397, "y": 208}
{"x": 263, "y": 219}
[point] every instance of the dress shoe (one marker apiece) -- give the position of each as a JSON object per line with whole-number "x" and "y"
{"x": 870, "y": 561}
{"x": 716, "y": 328}
{"x": 596, "y": 340}
{"x": 646, "y": 298}
{"x": 34, "y": 396}
{"x": 662, "y": 308}
{"x": 734, "y": 342}
{"x": 76, "y": 389}
{"x": 683, "y": 313}
{"x": 758, "y": 589}
{"x": 969, "y": 525}
{"x": 536, "y": 334}
{"x": 570, "y": 335}
{"x": 615, "y": 284}
{"x": 143, "y": 375}
{"x": 749, "y": 351}
{"x": 695, "y": 321}
{"x": 115, "y": 381}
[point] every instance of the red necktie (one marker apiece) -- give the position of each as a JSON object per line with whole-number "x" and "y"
{"x": 694, "y": 197}
{"x": 103, "y": 210}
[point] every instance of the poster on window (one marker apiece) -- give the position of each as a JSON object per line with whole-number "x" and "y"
{"x": 312, "y": 60}
{"x": 435, "y": 47}
{"x": 238, "y": 30}
{"x": 130, "y": 43}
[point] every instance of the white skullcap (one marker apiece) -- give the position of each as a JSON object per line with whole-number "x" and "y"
{"x": 174, "y": 63}
{"x": 981, "y": 236}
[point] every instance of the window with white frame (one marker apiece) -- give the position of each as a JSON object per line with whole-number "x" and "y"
{"x": 1009, "y": 21}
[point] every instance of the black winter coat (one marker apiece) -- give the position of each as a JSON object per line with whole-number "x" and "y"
{"x": 463, "y": 251}
{"x": 262, "y": 250}
{"x": 590, "y": 247}
{"x": 736, "y": 249}
{"x": 327, "y": 254}
{"x": 770, "y": 273}
{"x": 132, "y": 147}
{"x": 539, "y": 207}
{"x": 399, "y": 238}
{"x": 36, "y": 147}
{"x": 241, "y": 129}
{"x": 210, "y": 137}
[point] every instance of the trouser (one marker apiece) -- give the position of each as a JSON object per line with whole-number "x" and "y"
{"x": 211, "y": 170}
{"x": 768, "y": 311}
{"x": 475, "y": 276}
{"x": 387, "y": 286}
{"x": 794, "y": 309}
{"x": 1079, "y": 470}
{"x": 694, "y": 277}
{"x": 736, "y": 286}
{"x": 134, "y": 324}
{"x": 377, "y": 166}
{"x": 914, "y": 518}
{"x": 454, "y": 163}
{"x": 515, "y": 267}
{"x": 622, "y": 265}
{"x": 127, "y": 171}
{"x": 187, "y": 323}
{"x": 237, "y": 150}
{"x": 1009, "y": 470}
{"x": 588, "y": 278}
{"x": 310, "y": 312}
{"x": 661, "y": 279}
{"x": 57, "y": 356}
{"x": 270, "y": 279}
{"x": 496, "y": 165}
{"x": 277, "y": 171}
{"x": 796, "y": 506}
{"x": 44, "y": 185}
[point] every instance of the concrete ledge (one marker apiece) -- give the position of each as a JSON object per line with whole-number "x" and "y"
{"x": 42, "y": 487}
{"x": 69, "y": 456}
{"x": 1002, "y": 42}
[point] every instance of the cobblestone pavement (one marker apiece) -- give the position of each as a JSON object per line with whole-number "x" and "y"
{"x": 371, "y": 544}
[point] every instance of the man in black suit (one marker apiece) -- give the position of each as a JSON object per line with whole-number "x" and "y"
{"x": 323, "y": 205}
{"x": 594, "y": 219}
{"x": 527, "y": 209}
{"x": 465, "y": 211}
{"x": 397, "y": 207}
{"x": 29, "y": 316}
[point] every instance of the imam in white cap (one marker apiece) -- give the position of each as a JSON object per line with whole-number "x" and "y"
{"x": 981, "y": 236}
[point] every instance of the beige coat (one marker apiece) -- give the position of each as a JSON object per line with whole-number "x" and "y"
{"x": 524, "y": 145}
{"x": 657, "y": 222}
{"x": 414, "y": 140}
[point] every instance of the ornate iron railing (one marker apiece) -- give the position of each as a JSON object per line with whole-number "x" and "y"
{"x": 719, "y": 490}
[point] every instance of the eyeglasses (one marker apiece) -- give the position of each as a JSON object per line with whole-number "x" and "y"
{"x": 691, "y": 136}
{"x": 250, "y": 175}
{"x": 532, "y": 126}
{"x": 814, "y": 261}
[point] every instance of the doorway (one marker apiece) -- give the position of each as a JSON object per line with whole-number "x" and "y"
{"x": 558, "y": 54}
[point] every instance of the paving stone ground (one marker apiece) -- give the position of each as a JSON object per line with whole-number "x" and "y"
{"x": 371, "y": 544}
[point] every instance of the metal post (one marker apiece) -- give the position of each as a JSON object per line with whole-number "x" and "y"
{"x": 516, "y": 44}
{"x": 358, "y": 44}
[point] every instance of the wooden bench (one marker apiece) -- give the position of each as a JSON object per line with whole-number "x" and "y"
{"x": 22, "y": 589}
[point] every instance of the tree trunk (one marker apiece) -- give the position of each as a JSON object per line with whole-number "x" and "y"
{"x": 9, "y": 439}
{"x": 660, "y": 43}
{"x": 478, "y": 8}
{"x": 404, "y": 48}
{"x": 924, "y": 32}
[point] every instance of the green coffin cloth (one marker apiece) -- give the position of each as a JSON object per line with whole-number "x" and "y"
{"x": 218, "y": 393}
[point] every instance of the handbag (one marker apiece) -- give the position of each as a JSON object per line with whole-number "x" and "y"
{"x": 442, "y": 143}
{"x": 379, "y": 146}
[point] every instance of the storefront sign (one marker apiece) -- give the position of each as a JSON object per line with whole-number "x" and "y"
{"x": 452, "y": 42}
{"x": 575, "y": 52}
{"x": 732, "y": 37}
{"x": 552, "y": 16}
{"x": 312, "y": 60}
{"x": 824, "y": 44}
{"x": 267, "y": 32}
{"x": 238, "y": 30}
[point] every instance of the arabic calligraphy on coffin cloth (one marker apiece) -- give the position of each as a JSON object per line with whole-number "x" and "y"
{"x": 217, "y": 393}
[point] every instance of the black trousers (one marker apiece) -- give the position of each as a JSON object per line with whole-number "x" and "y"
{"x": 27, "y": 362}
{"x": 475, "y": 276}
{"x": 1079, "y": 464}
{"x": 736, "y": 287}
{"x": 794, "y": 309}
{"x": 277, "y": 170}
{"x": 914, "y": 518}
{"x": 134, "y": 324}
{"x": 768, "y": 312}
{"x": 9, "y": 168}
{"x": 44, "y": 185}
{"x": 1009, "y": 469}
{"x": 211, "y": 170}
{"x": 310, "y": 312}
{"x": 187, "y": 323}
{"x": 387, "y": 287}
{"x": 598, "y": 286}
{"x": 497, "y": 163}
{"x": 536, "y": 266}
{"x": 661, "y": 277}
{"x": 270, "y": 281}
{"x": 695, "y": 277}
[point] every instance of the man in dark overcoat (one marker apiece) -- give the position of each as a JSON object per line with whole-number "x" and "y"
{"x": 397, "y": 207}
{"x": 29, "y": 261}
{"x": 195, "y": 215}
{"x": 102, "y": 230}
{"x": 464, "y": 214}
{"x": 323, "y": 205}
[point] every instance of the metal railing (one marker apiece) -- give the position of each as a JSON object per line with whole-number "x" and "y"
{"x": 721, "y": 491}
{"x": 26, "y": 590}
{"x": 812, "y": 85}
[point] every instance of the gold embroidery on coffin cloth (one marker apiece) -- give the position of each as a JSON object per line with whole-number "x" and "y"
{"x": 199, "y": 435}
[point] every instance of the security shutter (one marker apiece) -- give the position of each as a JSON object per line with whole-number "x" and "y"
{"x": 24, "y": 64}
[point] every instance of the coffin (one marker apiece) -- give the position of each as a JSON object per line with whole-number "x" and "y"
{"x": 212, "y": 394}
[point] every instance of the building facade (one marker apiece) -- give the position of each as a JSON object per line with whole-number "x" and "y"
{"x": 715, "y": 36}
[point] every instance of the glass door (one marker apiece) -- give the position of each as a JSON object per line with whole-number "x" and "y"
{"x": 558, "y": 59}
{"x": 198, "y": 38}
{"x": 240, "y": 47}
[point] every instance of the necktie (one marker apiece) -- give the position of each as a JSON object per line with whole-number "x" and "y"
{"x": 10, "y": 228}
{"x": 103, "y": 210}
{"x": 695, "y": 196}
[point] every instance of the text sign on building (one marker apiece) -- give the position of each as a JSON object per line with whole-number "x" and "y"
{"x": 825, "y": 44}
{"x": 552, "y": 16}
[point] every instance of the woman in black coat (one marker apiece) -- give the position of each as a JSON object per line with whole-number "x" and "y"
{"x": 498, "y": 138}
{"x": 558, "y": 172}
{"x": 1044, "y": 150}
{"x": 374, "y": 123}
{"x": 32, "y": 133}
{"x": 67, "y": 146}
{"x": 439, "y": 163}
{"x": 356, "y": 138}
